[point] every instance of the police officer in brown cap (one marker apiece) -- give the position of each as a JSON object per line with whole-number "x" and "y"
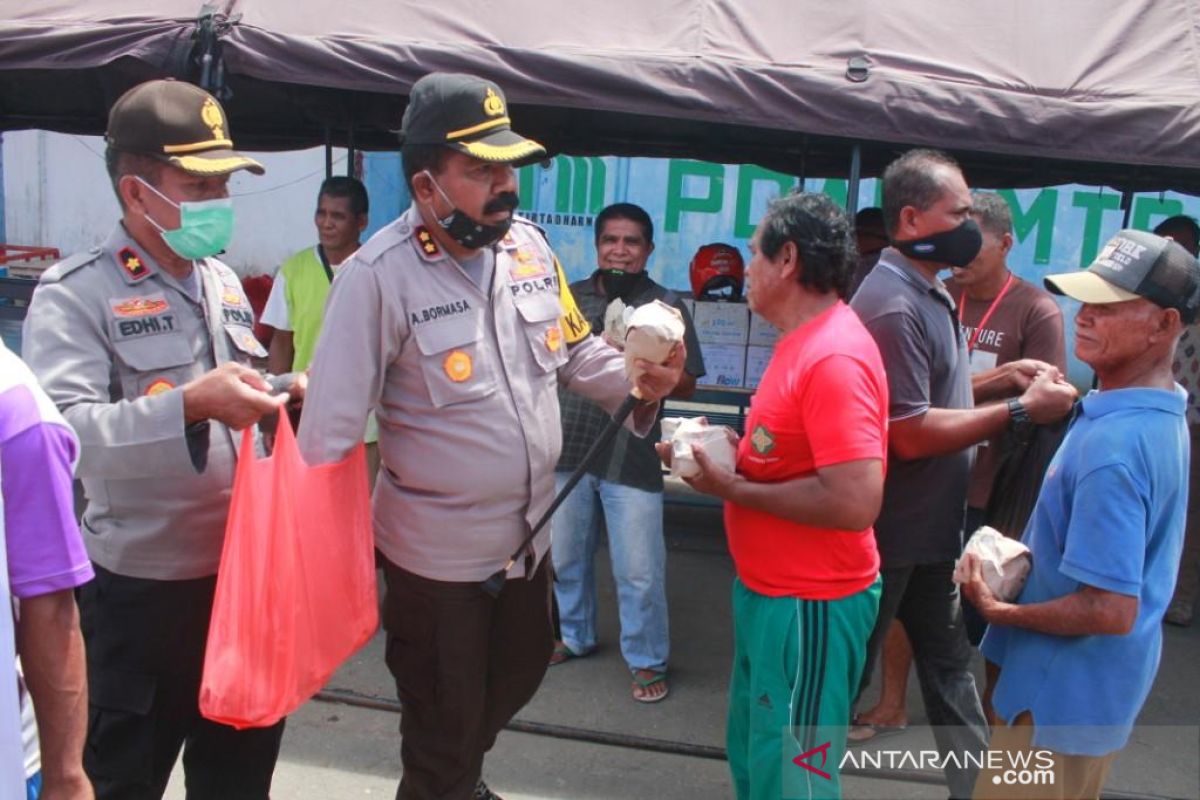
{"x": 144, "y": 343}
{"x": 455, "y": 325}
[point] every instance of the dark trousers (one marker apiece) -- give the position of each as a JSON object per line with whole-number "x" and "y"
{"x": 464, "y": 664}
{"x": 925, "y": 599}
{"x": 145, "y": 653}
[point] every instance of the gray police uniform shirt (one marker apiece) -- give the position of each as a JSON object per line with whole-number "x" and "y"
{"x": 113, "y": 338}
{"x": 463, "y": 380}
{"x": 925, "y": 355}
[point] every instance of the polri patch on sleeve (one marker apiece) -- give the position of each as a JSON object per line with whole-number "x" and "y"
{"x": 573, "y": 323}
{"x": 132, "y": 263}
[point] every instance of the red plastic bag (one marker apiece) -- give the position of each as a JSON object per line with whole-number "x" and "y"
{"x": 295, "y": 593}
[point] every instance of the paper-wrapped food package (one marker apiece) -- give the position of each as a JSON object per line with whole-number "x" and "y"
{"x": 1006, "y": 562}
{"x": 685, "y": 432}
{"x": 651, "y": 331}
{"x": 614, "y": 322}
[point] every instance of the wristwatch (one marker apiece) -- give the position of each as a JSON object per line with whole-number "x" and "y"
{"x": 1018, "y": 417}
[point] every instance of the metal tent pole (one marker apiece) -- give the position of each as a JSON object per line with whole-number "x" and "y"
{"x": 1127, "y": 207}
{"x": 328, "y": 152}
{"x": 855, "y": 177}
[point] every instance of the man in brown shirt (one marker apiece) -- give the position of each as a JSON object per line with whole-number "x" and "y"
{"x": 1004, "y": 319}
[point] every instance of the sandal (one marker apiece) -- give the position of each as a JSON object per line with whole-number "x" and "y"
{"x": 642, "y": 683}
{"x": 562, "y": 654}
{"x": 862, "y": 732}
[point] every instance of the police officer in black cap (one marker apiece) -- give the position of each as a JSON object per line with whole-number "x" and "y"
{"x": 144, "y": 344}
{"x": 455, "y": 325}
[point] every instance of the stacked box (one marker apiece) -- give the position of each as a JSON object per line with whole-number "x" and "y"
{"x": 724, "y": 365}
{"x": 757, "y": 357}
{"x": 762, "y": 333}
{"x": 723, "y": 328}
{"x": 721, "y": 323}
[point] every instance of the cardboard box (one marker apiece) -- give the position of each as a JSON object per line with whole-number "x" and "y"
{"x": 721, "y": 323}
{"x": 762, "y": 333}
{"x": 757, "y": 357}
{"x": 724, "y": 365}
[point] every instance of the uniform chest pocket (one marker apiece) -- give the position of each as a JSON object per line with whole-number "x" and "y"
{"x": 540, "y": 320}
{"x": 154, "y": 364}
{"x": 455, "y": 368}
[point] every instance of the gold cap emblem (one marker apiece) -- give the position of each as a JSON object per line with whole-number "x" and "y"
{"x": 493, "y": 106}
{"x": 210, "y": 114}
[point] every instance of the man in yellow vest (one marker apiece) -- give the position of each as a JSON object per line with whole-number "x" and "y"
{"x": 296, "y": 306}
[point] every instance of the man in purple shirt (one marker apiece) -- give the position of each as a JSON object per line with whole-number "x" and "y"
{"x": 41, "y": 562}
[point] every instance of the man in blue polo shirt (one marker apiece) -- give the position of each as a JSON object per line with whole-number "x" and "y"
{"x": 1079, "y": 649}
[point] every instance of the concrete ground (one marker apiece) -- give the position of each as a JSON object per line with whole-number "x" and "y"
{"x": 340, "y": 751}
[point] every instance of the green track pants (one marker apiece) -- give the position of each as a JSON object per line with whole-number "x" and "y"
{"x": 796, "y": 669}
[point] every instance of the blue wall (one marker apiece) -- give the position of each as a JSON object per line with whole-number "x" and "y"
{"x": 692, "y": 203}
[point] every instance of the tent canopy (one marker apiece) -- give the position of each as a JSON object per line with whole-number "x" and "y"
{"x": 1091, "y": 91}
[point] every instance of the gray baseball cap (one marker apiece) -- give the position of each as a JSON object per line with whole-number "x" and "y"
{"x": 1136, "y": 264}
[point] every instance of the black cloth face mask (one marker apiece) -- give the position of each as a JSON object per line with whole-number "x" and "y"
{"x": 619, "y": 283}
{"x": 956, "y": 247}
{"x": 471, "y": 233}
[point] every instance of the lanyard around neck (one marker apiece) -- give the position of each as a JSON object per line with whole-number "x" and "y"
{"x": 325, "y": 263}
{"x": 962, "y": 302}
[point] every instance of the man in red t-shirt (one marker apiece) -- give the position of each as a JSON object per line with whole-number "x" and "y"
{"x": 799, "y": 510}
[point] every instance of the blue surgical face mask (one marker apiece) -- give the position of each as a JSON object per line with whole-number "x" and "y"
{"x": 205, "y": 227}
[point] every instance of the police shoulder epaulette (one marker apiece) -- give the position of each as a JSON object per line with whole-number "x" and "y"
{"x": 385, "y": 239}
{"x": 70, "y": 264}
{"x": 220, "y": 267}
{"x": 518, "y": 219}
